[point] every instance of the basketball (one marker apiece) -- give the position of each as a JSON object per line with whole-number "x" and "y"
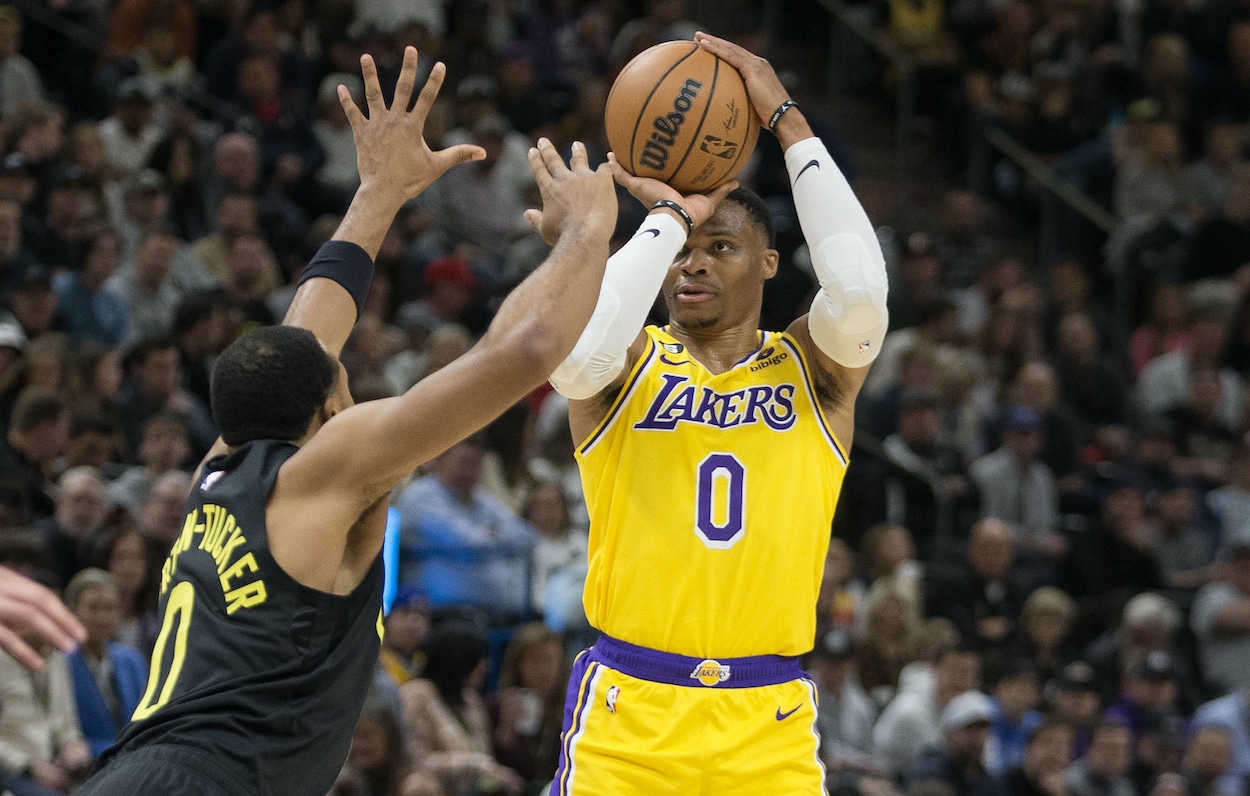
{"x": 681, "y": 115}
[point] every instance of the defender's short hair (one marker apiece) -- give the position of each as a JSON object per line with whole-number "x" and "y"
{"x": 36, "y": 406}
{"x": 269, "y": 383}
{"x": 757, "y": 210}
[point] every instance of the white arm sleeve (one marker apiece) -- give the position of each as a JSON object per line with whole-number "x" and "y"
{"x": 848, "y": 319}
{"x": 631, "y": 281}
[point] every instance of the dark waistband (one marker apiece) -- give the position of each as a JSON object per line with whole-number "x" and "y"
{"x": 665, "y": 667}
{"x": 190, "y": 759}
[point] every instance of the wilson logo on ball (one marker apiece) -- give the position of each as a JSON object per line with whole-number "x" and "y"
{"x": 665, "y": 128}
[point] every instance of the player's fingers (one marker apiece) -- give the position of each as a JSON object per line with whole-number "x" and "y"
{"x": 723, "y": 191}
{"x": 535, "y": 217}
{"x": 20, "y": 650}
{"x": 407, "y": 79}
{"x": 555, "y": 163}
{"x": 460, "y": 153}
{"x": 373, "y": 89}
{"x": 579, "y": 160}
{"x": 429, "y": 92}
{"x": 350, "y": 109}
{"x": 538, "y": 167}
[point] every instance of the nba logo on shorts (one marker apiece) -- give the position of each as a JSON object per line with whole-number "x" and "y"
{"x": 710, "y": 673}
{"x": 613, "y": 693}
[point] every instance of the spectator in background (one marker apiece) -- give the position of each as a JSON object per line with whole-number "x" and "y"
{"x": 528, "y": 709}
{"x": 130, "y": 133}
{"x": 82, "y": 510}
{"x": 1221, "y": 619}
{"x": 1074, "y": 700}
{"x": 33, "y": 302}
{"x": 108, "y": 678}
{"x": 152, "y": 384}
{"x": 1017, "y": 695}
{"x": 912, "y": 723}
{"x": 84, "y": 309}
{"x": 236, "y": 216}
{"x": 451, "y": 287}
{"x": 445, "y": 722}
{"x": 1222, "y": 243}
{"x": 1103, "y": 771}
{"x": 1046, "y": 623}
{"x": 965, "y": 726}
{"x": 237, "y": 169}
{"x": 135, "y": 566}
{"x": 147, "y": 291}
{"x": 19, "y": 80}
{"x": 1166, "y": 328}
{"x": 1047, "y": 753}
{"x": 177, "y": 157}
{"x": 1165, "y": 381}
{"x": 1088, "y": 382}
{"x": 334, "y": 134}
{"x": 1231, "y": 503}
{"x": 160, "y": 516}
{"x": 163, "y": 447}
{"x": 38, "y": 432}
{"x": 1209, "y": 180}
{"x": 1183, "y": 549}
{"x": 377, "y": 757}
{"x": 467, "y": 548}
{"x": 15, "y": 257}
{"x": 1036, "y": 385}
{"x": 1208, "y": 756}
{"x": 559, "y": 545}
{"x": 1148, "y": 690}
{"x": 1113, "y": 561}
{"x": 405, "y": 629}
{"x": 885, "y": 633}
{"x": 986, "y": 597}
{"x": 1149, "y": 623}
{"x": 1205, "y": 443}
{"x": 846, "y": 714}
{"x": 1017, "y": 488}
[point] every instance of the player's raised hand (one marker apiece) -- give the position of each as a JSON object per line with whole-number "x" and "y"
{"x": 392, "y": 155}
{"x": 763, "y": 85}
{"x": 26, "y": 607}
{"x": 573, "y": 196}
{"x": 647, "y": 190}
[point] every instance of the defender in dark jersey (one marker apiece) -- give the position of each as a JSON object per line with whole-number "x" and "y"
{"x": 271, "y": 598}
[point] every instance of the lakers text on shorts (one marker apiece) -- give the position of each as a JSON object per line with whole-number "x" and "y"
{"x": 639, "y": 721}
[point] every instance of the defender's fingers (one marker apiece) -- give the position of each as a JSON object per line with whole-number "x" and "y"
{"x": 728, "y": 51}
{"x": 535, "y": 217}
{"x": 25, "y": 600}
{"x": 20, "y": 650}
{"x": 723, "y": 191}
{"x": 373, "y": 89}
{"x": 460, "y": 153}
{"x": 579, "y": 161}
{"x": 538, "y": 167}
{"x": 350, "y": 109}
{"x": 555, "y": 163}
{"x": 429, "y": 92}
{"x": 407, "y": 79}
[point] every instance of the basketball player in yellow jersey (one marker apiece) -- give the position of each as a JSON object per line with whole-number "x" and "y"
{"x": 712, "y": 455}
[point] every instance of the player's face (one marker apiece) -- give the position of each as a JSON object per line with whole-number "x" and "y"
{"x": 717, "y": 279}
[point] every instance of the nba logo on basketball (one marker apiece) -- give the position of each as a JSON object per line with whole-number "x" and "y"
{"x": 710, "y": 673}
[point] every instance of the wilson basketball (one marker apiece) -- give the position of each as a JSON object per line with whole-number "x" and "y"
{"x": 680, "y": 114}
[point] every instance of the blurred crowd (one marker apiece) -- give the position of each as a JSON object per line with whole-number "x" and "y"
{"x": 1039, "y": 581}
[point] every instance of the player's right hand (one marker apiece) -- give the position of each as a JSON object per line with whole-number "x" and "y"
{"x": 574, "y": 196}
{"x": 648, "y": 190}
{"x": 391, "y": 153}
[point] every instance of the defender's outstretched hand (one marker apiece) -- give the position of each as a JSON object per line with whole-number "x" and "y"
{"x": 647, "y": 190}
{"x": 27, "y": 607}
{"x": 392, "y": 155}
{"x": 573, "y": 195}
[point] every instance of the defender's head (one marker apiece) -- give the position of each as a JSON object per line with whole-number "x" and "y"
{"x": 717, "y": 279}
{"x": 276, "y": 382}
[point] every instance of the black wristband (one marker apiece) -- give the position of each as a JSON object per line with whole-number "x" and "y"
{"x": 345, "y": 263}
{"x": 679, "y": 210}
{"x": 781, "y": 111}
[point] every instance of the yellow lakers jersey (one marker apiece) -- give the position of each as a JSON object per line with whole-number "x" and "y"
{"x": 711, "y": 500}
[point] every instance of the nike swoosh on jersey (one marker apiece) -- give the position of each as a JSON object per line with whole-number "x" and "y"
{"x": 654, "y": 232}
{"x": 668, "y": 361}
{"x": 783, "y": 716}
{"x": 810, "y": 163}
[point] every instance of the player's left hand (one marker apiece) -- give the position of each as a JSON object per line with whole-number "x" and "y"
{"x": 391, "y": 153}
{"x": 647, "y": 190}
{"x": 763, "y": 86}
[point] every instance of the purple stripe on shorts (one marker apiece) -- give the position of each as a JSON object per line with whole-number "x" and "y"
{"x": 573, "y": 702}
{"x": 665, "y": 667}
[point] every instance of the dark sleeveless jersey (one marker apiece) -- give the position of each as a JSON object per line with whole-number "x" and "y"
{"x": 251, "y": 669}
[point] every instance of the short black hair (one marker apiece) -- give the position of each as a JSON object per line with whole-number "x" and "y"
{"x": 137, "y": 354}
{"x": 36, "y": 406}
{"x": 269, "y": 383}
{"x": 452, "y": 651}
{"x": 758, "y": 211}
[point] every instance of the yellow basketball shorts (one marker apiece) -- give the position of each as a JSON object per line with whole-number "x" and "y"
{"x": 640, "y": 721}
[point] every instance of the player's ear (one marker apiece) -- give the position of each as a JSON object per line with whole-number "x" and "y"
{"x": 771, "y": 259}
